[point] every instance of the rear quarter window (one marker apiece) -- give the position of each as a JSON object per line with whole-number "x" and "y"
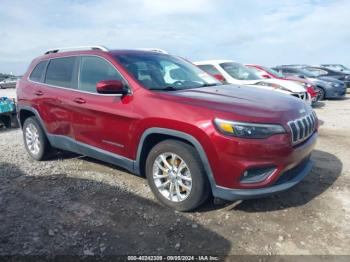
{"x": 37, "y": 74}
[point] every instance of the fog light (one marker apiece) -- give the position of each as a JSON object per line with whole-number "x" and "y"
{"x": 256, "y": 175}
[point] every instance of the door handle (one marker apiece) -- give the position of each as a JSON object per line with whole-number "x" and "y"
{"x": 39, "y": 93}
{"x": 79, "y": 100}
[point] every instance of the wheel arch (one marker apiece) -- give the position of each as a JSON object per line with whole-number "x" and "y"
{"x": 26, "y": 111}
{"x": 152, "y": 136}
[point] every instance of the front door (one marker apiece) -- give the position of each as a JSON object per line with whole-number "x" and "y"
{"x": 101, "y": 121}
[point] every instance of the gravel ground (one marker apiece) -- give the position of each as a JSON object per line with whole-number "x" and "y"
{"x": 73, "y": 205}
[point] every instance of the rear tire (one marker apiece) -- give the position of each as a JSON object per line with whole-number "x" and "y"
{"x": 35, "y": 140}
{"x": 176, "y": 175}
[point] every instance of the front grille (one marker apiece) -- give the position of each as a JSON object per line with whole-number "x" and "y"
{"x": 302, "y": 95}
{"x": 303, "y": 127}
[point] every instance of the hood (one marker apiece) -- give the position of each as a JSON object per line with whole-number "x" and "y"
{"x": 330, "y": 79}
{"x": 255, "y": 104}
{"x": 286, "y": 84}
{"x": 327, "y": 79}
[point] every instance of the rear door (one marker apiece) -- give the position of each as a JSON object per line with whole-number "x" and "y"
{"x": 54, "y": 95}
{"x": 102, "y": 121}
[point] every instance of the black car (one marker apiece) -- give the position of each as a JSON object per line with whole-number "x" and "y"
{"x": 328, "y": 87}
{"x": 337, "y": 67}
{"x": 323, "y": 71}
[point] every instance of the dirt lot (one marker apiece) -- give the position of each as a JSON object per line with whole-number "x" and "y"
{"x": 76, "y": 205}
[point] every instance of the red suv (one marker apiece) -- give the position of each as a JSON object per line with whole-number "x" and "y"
{"x": 160, "y": 116}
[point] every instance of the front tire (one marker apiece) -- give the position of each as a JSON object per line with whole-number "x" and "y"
{"x": 321, "y": 94}
{"x": 176, "y": 175}
{"x": 35, "y": 140}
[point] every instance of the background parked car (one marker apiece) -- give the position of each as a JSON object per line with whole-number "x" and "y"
{"x": 337, "y": 67}
{"x": 235, "y": 73}
{"x": 323, "y": 71}
{"x": 267, "y": 72}
{"x": 9, "y": 82}
{"x": 328, "y": 87}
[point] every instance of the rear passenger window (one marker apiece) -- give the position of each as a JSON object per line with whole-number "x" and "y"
{"x": 60, "y": 72}
{"x": 37, "y": 73}
{"x": 93, "y": 70}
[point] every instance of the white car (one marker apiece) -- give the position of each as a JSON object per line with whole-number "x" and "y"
{"x": 9, "y": 82}
{"x": 235, "y": 73}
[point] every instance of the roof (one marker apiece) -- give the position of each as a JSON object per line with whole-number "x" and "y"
{"x": 97, "y": 48}
{"x": 218, "y": 61}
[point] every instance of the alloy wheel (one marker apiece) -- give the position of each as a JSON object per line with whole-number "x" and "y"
{"x": 32, "y": 139}
{"x": 172, "y": 177}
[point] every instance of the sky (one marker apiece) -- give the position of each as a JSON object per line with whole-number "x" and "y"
{"x": 268, "y": 32}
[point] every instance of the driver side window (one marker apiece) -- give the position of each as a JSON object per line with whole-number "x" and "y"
{"x": 94, "y": 69}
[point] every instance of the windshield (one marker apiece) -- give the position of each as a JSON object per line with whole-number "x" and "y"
{"x": 164, "y": 72}
{"x": 340, "y": 68}
{"x": 273, "y": 72}
{"x": 239, "y": 71}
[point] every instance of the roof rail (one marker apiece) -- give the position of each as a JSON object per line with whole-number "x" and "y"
{"x": 74, "y": 48}
{"x": 157, "y": 50}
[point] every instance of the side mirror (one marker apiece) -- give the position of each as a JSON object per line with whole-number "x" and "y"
{"x": 111, "y": 87}
{"x": 220, "y": 78}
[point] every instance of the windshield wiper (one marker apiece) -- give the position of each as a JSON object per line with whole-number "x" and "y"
{"x": 167, "y": 88}
{"x": 207, "y": 84}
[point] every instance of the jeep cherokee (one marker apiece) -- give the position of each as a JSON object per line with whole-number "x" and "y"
{"x": 158, "y": 115}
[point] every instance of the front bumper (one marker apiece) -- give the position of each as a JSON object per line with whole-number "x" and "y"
{"x": 292, "y": 178}
{"x": 336, "y": 93}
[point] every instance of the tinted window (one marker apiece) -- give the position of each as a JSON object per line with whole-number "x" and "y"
{"x": 317, "y": 71}
{"x": 60, "y": 72}
{"x": 273, "y": 72}
{"x": 93, "y": 70}
{"x": 37, "y": 73}
{"x": 287, "y": 70}
{"x": 209, "y": 69}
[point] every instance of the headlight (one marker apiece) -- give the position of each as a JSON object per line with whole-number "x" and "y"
{"x": 247, "y": 130}
{"x": 335, "y": 84}
{"x": 273, "y": 85}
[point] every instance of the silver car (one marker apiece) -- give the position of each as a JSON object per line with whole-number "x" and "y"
{"x": 9, "y": 82}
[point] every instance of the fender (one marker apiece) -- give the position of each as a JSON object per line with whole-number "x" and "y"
{"x": 184, "y": 136}
{"x": 34, "y": 111}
